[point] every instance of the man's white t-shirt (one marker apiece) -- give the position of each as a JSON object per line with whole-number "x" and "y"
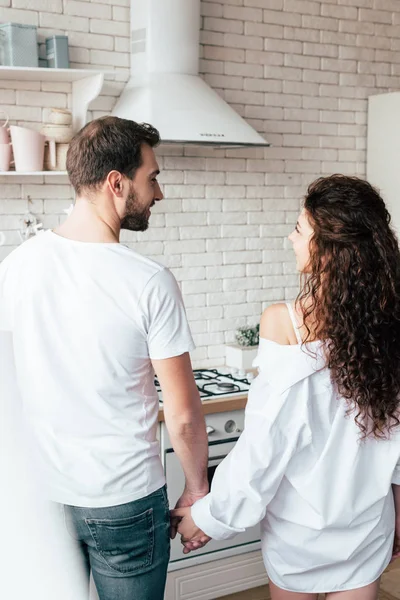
{"x": 87, "y": 318}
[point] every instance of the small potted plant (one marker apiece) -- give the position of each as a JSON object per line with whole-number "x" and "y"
{"x": 242, "y": 354}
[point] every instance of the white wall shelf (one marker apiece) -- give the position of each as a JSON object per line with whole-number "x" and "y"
{"x": 45, "y": 74}
{"x": 86, "y": 85}
{"x": 31, "y": 173}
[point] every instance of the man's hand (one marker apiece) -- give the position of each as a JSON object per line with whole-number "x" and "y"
{"x": 186, "y": 500}
{"x": 192, "y": 538}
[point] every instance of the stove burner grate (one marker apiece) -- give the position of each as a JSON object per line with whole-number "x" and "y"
{"x": 211, "y": 383}
{"x": 225, "y": 385}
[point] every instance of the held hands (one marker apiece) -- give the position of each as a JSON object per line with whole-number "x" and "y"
{"x": 186, "y": 500}
{"x": 192, "y": 537}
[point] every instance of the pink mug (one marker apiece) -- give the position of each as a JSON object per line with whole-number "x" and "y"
{"x": 5, "y": 157}
{"x": 28, "y": 149}
{"x": 4, "y": 135}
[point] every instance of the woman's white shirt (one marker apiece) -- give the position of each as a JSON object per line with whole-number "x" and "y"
{"x": 322, "y": 495}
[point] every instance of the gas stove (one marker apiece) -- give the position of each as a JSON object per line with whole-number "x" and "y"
{"x": 213, "y": 383}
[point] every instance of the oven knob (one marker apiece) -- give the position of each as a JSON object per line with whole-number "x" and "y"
{"x": 210, "y": 430}
{"x": 230, "y": 426}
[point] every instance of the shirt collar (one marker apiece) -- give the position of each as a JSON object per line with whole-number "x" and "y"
{"x": 284, "y": 366}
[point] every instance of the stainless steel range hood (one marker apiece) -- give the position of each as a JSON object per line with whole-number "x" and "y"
{"x": 165, "y": 88}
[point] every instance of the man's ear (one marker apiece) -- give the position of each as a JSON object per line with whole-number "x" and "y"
{"x": 115, "y": 181}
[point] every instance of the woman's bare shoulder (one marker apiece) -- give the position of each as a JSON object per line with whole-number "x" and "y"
{"x": 276, "y": 325}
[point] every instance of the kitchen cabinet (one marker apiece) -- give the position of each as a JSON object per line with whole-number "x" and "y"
{"x": 86, "y": 85}
{"x": 218, "y": 578}
{"x": 383, "y": 150}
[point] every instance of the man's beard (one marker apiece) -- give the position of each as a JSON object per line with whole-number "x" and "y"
{"x": 136, "y": 218}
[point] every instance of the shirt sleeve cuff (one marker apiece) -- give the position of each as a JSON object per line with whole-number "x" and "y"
{"x": 396, "y": 476}
{"x": 201, "y": 515}
{"x": 172, "y": 352}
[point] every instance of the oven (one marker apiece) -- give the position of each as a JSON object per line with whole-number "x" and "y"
{"x": 223, "y": 431}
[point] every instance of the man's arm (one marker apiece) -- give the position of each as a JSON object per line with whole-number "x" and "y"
{"x": 185, "y": 422}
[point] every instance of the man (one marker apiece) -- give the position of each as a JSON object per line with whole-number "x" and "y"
{"x": 91, "y": 321}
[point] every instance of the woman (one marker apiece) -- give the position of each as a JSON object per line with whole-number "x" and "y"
{"x": 321, "y": 446}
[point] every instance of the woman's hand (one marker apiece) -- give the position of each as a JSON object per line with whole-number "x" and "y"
{"x": 186, "y": 500}
{"x": 192, "y": 537}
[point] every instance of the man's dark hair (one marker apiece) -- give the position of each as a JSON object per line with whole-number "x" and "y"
{"x": 105, "y": 145}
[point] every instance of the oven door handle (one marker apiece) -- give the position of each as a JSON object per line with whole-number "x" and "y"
{"x": 216, "y": 459}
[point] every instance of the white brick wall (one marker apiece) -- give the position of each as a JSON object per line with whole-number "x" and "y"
{"x": 300, "y": 71}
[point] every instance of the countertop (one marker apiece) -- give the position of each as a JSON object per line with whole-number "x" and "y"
{"x": 217, "y": 406}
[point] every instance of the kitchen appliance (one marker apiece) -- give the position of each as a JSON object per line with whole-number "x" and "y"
{"x": 165, "y": 88}
{"x": 57, "y": 52}
{"x": 212, "y": 383}
{"x": 223, "y": 431}
{"x": 19, "y": 45}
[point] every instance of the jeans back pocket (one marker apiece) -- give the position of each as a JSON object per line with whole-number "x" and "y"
{"x": 126, "y": 545}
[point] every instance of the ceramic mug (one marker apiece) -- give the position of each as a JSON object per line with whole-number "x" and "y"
{"x": 4, "y": 135}
{"x": 62, "y": 134}
{"x": 60, "y": 116}
{"x": 5, "y": 157}
{"x": 28, "y": 149}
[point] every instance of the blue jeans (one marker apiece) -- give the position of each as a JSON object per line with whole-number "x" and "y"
{"x": 126, "y": 547}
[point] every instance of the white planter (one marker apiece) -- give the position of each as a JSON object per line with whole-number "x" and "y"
{"x": 240, "y": 357}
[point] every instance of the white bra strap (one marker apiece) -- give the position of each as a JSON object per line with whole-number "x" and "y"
{"x": 294, "y": 322}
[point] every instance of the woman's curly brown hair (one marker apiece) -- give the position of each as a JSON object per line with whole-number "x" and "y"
{"x": 351, "y": 298}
